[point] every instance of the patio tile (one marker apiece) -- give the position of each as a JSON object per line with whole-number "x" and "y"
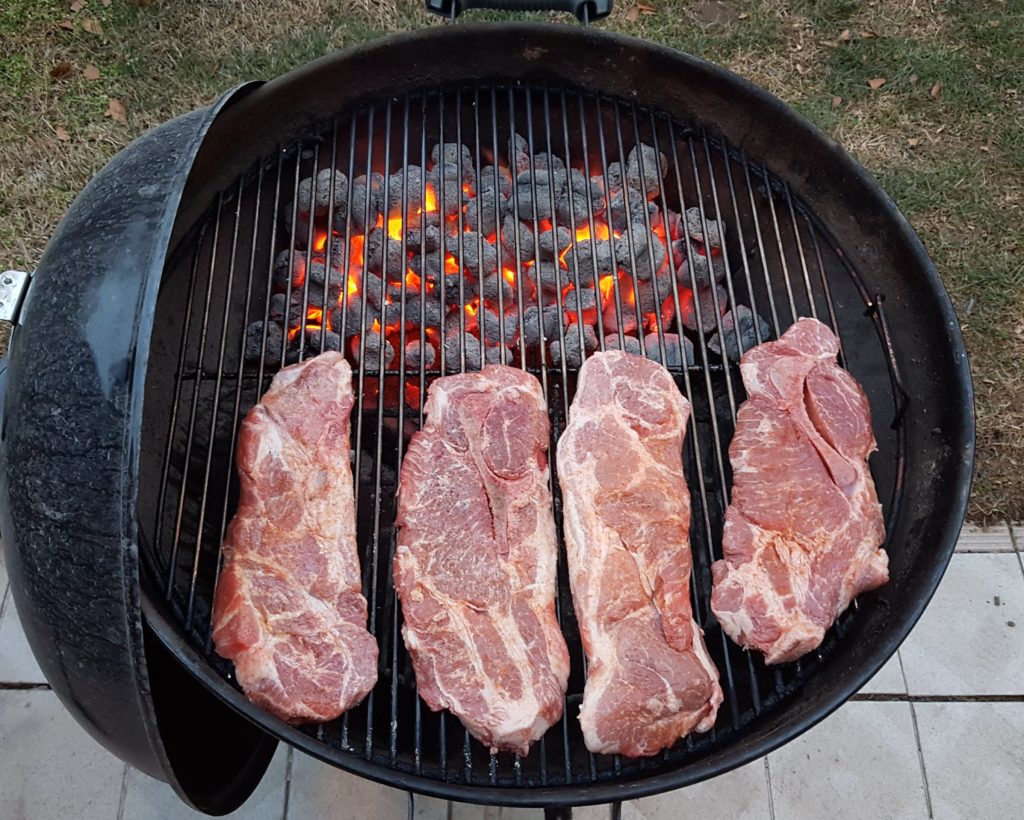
{"x": 888, "y": 680}
{"x": 17, "y": 663}
{"x": 322, "y": 791}
{"x": 860, "y": 762}
{"x": 49, "y": 766}
{"x": 970, "y": 640}
{"x": 741, "y": 794}
{"x": 1017, "y": 534}
{"x": 974, "y": 758}
{"x": 149, "y": 799}
{"x": 994, "y": 538}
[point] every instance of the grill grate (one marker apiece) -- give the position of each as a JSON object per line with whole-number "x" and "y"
{"x": 779, "y": 261}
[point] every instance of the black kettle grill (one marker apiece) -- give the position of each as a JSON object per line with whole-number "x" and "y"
{"x": 128, "y": 372}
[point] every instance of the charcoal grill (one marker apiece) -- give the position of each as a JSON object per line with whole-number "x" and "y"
{"x": 117, "y": 477}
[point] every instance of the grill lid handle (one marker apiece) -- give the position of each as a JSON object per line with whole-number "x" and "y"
{"x": 585, "y": 10}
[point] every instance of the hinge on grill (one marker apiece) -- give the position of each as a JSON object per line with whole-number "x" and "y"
{"x": 13, "y": 287}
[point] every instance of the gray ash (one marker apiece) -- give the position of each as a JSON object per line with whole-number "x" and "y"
{"x": 738, "y": 326}
{"x": 678, "y": 349}
{"x": 419, "y": 355}
{"x": 630, "y": 344}
{"x": 254, "y": 341}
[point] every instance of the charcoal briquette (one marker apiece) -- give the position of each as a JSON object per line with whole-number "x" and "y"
{"x": 535, "y": 319}
{"x": 510, "y": 229}
{"x": 706, "y": 300}
{"x": 678, "y": 349}
{"x": 406, "y": 192}
{"x": 477, "y": 255}
{"x": 631, "y": 208}
{"x": 367, "y": 202}
{"x": 493, "y": 328}
{"x": 646, "y": 250}
{"x": 373, "y": 250}
{"x": 452, "y": 153}
{"x": 534, "y": 202}
{"x": 695, "y": 228}
{"x": 651, "y": 293}
{"x": 322, "y": 199}
{"x": 610, "y": 318}
{"x": 630, "y": 344}
{"x": 370, "y": 343}
{"x": 497, "y": 289}
{"x": 645, "y": 168}
{"x": 348, "y": 318}
{"x": 419, "y": 355}
{"x": 553, "y": 242}
{"x": 581, "y": 302}
{"x": 577, "y": 338}
{"x": 254, "y": 342}
{"x": 591, "y": 259}
{"x": 457, "y": 346}
{"x": 498, "y": 354}
{"x": 547, "y": 276}
{"x": 738, "y": 326}
{"x": 486, "y": 184}
{"x": 701, "y": 270}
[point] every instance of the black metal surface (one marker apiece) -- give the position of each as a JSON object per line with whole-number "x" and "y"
{"x": 68, "y": 445}
{"x": 809, "y": 234}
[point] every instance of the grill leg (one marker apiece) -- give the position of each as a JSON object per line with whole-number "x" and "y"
{"x": 615, "y": 810}
{"x": 558, "y": 813}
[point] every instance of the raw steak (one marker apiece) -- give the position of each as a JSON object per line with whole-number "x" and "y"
{"x": 476, "y": 557}
{"x": 289, "y": 610}
{"x": 802, "y": 534}
{"x": 627, "y": 519}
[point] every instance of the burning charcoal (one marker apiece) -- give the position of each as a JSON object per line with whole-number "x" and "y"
{"x": 374, "y": 253}
{"x": 701, "y": 270}
{"x": 613, "y": 178}
{"x": 427, "y": 266}
{"x": 646, "y": 248}
{"x": 545, "y": 162}
{"x": 547, "y": 276}
{"x": 630, "y": 344}
{"x": 677, "y": 349}
{"x": 706, "y": 299}
{"x": 254, "y": 345}
{"x": 534, "y": 202}
{"x": 453, "y": 351}
{"x": 411, "y": 180}
{"x": 289, "y": 261}
{"x": 519, "y": 153}
{"x": 452, "y": 187}
{"x": 492, "y": 329}
{"x": 453, "y": 154}
{"x": 279, "y": 306}
{"x": 498, "y": 354}
{"x": 533, "y": 317}
{"x": 650, "y": 293}
{"x": 553, "y": 242}
{"x": 574, "y": 335}
{"x": 645, "y": 168}
{"x": 557, "y": 180}
{"x": 457, "y": 287}
{"x": 364, "y": 198}
{"x": 349, "y": 318}
{"x": 639, "y": 211}
{"x": 486, "y": 183}
{"x": 587, "y": 254}
{"x": 695, "y": 228}
{"x": 497, "y": 289}
{"x": 417, "y": 311}
{"x": 419, "y": 240}
{"x": 373, "y": 285}
{"x": 370, "y": 343}
{"x": 572, "y": 208}
{"x": 322, "y": 199}
{"x": 472, "y": 247}
{"x": 581, "y": 301}
{"x": 319, "y": 340}
{"x": 610, "y": 317}
{"x": 670, "y": 221}
{"x": 417, "y": 355}
{"x": 739, "y": 339}
{"x": 480, "y": 215}
{"x": 510, "y": 228}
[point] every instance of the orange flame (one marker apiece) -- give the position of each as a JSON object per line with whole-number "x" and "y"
{"x": 466, "y": 189}
{"x": 353, "y": 286}
{"x": 509, "y": 274}
{"x": 600, "y": 230}
{"x": 430, "y": 199}
{"x": 607, "y": 286}
{"x": 412, "y": 280}
{"x": 320, "y": 242}
{"x": 450, "y": 265}
{"x": 395, "y": 227}
{"x": 376, "y": 326}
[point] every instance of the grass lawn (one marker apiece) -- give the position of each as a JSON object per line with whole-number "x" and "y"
{"x": 944, "y": 134}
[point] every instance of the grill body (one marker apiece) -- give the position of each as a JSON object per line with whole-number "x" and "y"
{"x": 809, "y": 235}
{"x": 818, "y": 237}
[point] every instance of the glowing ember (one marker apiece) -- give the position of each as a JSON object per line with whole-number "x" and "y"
{"x": 431, "y": 199}
{"x": 607, "y": 286}
{"x": 320, "y": 242}
{"x": 412, "y": 280}
{"x": 451, "y": 264}
{"x": 376, "y": 326}
{"x": 600, "y": 230}
{"x": 509, "y": 274}
{"x": 395, "y": 227}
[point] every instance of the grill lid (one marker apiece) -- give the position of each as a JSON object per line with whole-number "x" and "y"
{"x": 68, "y": 460}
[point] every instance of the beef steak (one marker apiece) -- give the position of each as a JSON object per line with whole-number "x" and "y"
{"x": 650, "y": 680}
{"x": 803, "y": 531}
{"x": 289, "y": 609}
{"x": 476, "y": 558}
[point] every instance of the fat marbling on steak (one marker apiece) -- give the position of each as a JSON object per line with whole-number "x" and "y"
{"x": 803, "y": 531}
{"x": 289, "y": 610}
{"x": 476, "y": 558}
{"x": 650, "y": 680}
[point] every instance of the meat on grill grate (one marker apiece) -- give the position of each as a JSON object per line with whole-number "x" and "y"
{"x": 802, "y": 535}
{"x": 627, "y": 518}
{"x": 476, "y": 557}
{"x": 289, "y": 609}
